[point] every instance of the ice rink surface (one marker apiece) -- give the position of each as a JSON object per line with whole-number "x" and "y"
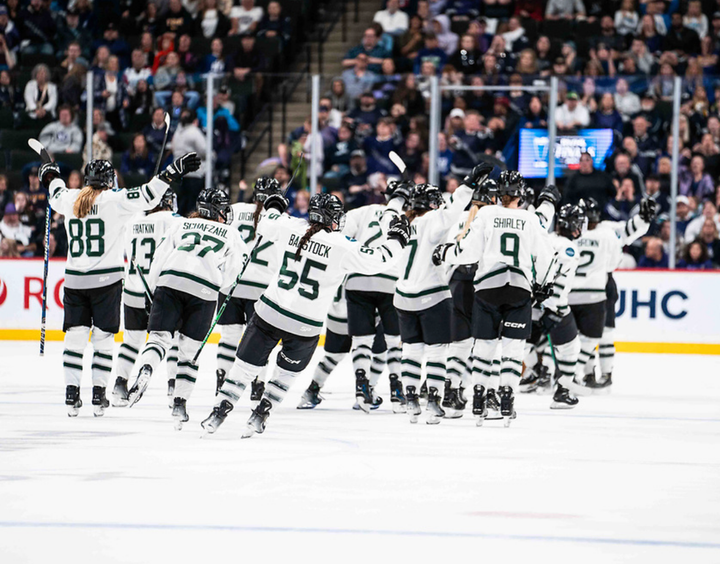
{"x": 629, "y": 477}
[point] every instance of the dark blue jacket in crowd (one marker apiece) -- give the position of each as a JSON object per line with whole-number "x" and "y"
{"x": 646, "y": 262}
{"x": 137, "y": 164}
{"x": 445, "y": 159}
{"x": 377, "y": 155}
{"x": 465, "y": 154}
{"x": 612, "y": 120}
{"x": 371, "y": 117}
{"x": 436, "y": 55}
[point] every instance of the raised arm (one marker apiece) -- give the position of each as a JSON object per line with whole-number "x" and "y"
{"x": 373, "y": 260}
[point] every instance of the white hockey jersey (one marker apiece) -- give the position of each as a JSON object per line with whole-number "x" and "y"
{"x": 628, "y": 231}
{"x": 600, "y": 253}
{"x": 368, "y": 225}
{"x": 422, "y": 284}
{"x": 199, "y": 257}
{"x": 510, "y": 246}
{"x": 299, "y": 295}
{"x": 96, "y": 256}
{"x": 337, "y": 317}
{"x": 565, "y": 263}
{"x": 264, "y": 260}
{"x": 144, "y": 235}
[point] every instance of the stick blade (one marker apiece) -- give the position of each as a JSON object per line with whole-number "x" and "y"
{"x": 397, "y": 161}
{"x": 167, "y": 121}
{"x": 38, "y": 147}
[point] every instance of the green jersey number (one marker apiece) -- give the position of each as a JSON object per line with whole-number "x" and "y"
{"x": 292, "y": 277}
{"x": 149, "y": 245}
{"x": 247, "y": 232}
{"x": 374, "y": 237}
{"x": 590, "y": 256}
{"x": 86, "y": 237}
{"x": 510, "y": 247}
{"x": 413, "y": 249}
{"x": 195, "y": 238}
{"x": 259, "y": 249}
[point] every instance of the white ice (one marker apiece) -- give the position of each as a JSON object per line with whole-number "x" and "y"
{"x": 629, "y": 477}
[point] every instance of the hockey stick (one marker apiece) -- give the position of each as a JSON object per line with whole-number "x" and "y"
{"x": 148, "y": 294}
{"x": 162, "y": 150}
{"x": 38, "y": 147}
{"x": 399, "y": 163}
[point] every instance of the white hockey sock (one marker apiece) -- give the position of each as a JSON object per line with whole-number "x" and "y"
{"x": 239, "y": 378}
{"x": 362, "y": 353}
{"x": 172, "y": 361}
{"x": 155, "y": 349}
{"x": 566, "y": 356}
{"x": 511, "y": 364}
{"x": 482, "y": 355}
{"x": 394, "y": 354}
{"x": 377, "y": 367}
{"x": 412, "y": 356}
{"x": 187, "y": 371}
{"x": 459, "y": 354}
{"x": 76, "y": 339}
{"x": 102, "y": 357}
{"x": 607, "y": 351}
{"x": 129, "y": 351}
{"x": 227, "y": 347}
{"x": 278, "y": 385}
{"x": 435, "y": 366}
{"x": 587, "y": 354}
{"x": 325, "y": 367}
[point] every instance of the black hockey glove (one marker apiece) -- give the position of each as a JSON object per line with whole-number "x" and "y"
{"x": 276, "y": 202}
{"x": 478, "y": 175}
{"x": 186, "y": 164}
{"x": 438, "y": 256}
{"x": 47, "y": 173}
{"x": 550, "y": 320}
{"x": 402, "y": 189}
{"x": 549, "y": 194}
{"x": 399, "y": 230}
{"x": 542, "y": 292}
{"x": 648, "y": 209}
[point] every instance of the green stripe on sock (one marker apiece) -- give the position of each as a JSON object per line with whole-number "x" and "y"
{"x": 101, "y": 367}
{"x": 133, "y": 349}
{"x": 433, "y": 377}
{"x": 73, "y": 354}
{"x": 278, "y": 385}
{"x": 70, "y": 365}
{"x": 186, "y": 377}
{"x": 411, "y": 362}
{"x": 225, "y": 357}
{"x": 511, "y": 371}
{"x": 125, "y": 357}
{"x": 232, "y": 396}
{"x": 436, "y": 365}
{"x": 103, "y": 355}
{"x": 229, "y": 347}
{"x": 235, "y": 383}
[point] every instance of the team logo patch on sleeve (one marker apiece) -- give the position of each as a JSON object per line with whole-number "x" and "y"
{"x": 349, "y": 238}
{"x": 570, "y": 252}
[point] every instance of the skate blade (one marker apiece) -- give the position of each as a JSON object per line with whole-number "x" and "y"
{"x": 73, "y": 411}
{"x": 307, "y": 405}
{"x": 544, "y": 390}
{"x": 399, "y": 408}
{"x": 433, "y": 420}
{"x": 119, "y": 402}
{"x": 248, "y": 432}
{"x": 506, "y": 421}
{"x": 451, "y": 413}
{"x": 529, "y": 389}
{"x": 479, "y": 420}
{"x": 561, "y": 405}
{"x": 98, "y": 410}
{"x": 493, "y": 415}
{"x": 414, "y": 417}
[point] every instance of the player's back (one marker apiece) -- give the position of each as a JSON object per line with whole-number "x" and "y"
{"x": 599, "y": 253}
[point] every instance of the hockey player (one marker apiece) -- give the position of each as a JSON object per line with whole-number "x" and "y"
{"x": 370, "y": 296}
{"x": 422, "y": 296}
{"x": 143, "y": 237}
{"x": 315, "y": 259}
{"x": 199, "y": 256}
{"x": 512, "y": 251}
{"x": 261, "y": 268}
{"x": 95, "y": 219}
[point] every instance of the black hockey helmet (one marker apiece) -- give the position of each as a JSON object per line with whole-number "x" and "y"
{"x": 528, "y": 197}
{"x": 486, "y": 192}
{"x": 100, "y": 174}
{"x": 264, "y": 186}
{"x": 213, "y": 204}
{"x": 591, "y": 209}
{"x": 327, "y": 210}
{"x": 511, "y": 183}
{"x": 167, "y": 202}
{"x": 570, "y": 220}
{"x": 426, "y": 197}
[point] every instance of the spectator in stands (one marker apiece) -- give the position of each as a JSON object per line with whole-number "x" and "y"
{"x": 165, "y": 78}
{"x": 358, "y": 79}
{"x": 572, "y": 114}
{"x": 247, "y": 60}
{"x": 679, "y": 38}
{"x": 684, "y": 214}
{"x": 647, "y": 144}
{"x": 626, "y": 102}
{"x": 11, "y": 228}
{"x": 652, "y": 190}
{"x": 366, "y": 115}
{"x": 62, "y": 136}
{"x": 536, "y": 115}
{"x": 623, "y": 168}
{"x": 625, "y": 203}
{"x": 644, "y": 165}
{"x": 73, "y": 57}
{"x": 155, "y": 131}
{"x": 393, "y": 20}
{"x": 410, "y": 42}
{"x": 138, "y": 159}
{"x": 695, "y": 257}
{"x": 709, "y": 236}
{"x": 301, "y": 205}
{"x": 378, "y": 147}
{"x": 655, "y": 256}
{"x": 8, "y": 248}
{"x": 75, "y": 180}
{"x": 100, "y": 144}
{"x": 72, "y": 88}
{"x": 370, "y": 47}
{"x": 431, "y": 53}
{"x": 709, "y": 211}
{"x": 8, "y": 31}
{"x": 564, "y": 9}
{"x": 219, "y": 112}
{"x": 141, "y": 102}
{"x": 447, "y": 40}
{"x": 188, "y": 138}
{"x": 627, "y": 18}
{"x": 607, "y": 116}
{"x": 467, "y": 144}
{"x": 409, "y": 96}
{"x": 515, "y": 38}
{"x": 468, "y": 58}
{"x": 71, "y": 32}
{"x": 355, "y": 180}
{"x": 26, "y": 214}
{"x": 212, "y": 22}
{"x": 339, "y": 96}
{"x": 115, "y": 44}
{"x": 215, "y": 61}
{"x": 588, "y": 182}
{"x": 37, "y": 28}
{"x": 337, "y": 156}
{"x": 411, "y": 152}
{"x": 274, "y": 24}
{"x": 176, "y": 20}
{"x": 9, "y": 96}
{"x": 694, "y": 181}
{"x": 188, "y": 59}
{"x": 245, "y": 17}
{"x": 5, "y": 193}
{"x": 40, "y": 95}
{"x": 695, "y": 20}
{"x": 139, "y": 70}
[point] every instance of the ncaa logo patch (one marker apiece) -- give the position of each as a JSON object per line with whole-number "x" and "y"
{"x": 3, "y": 291}
{"x": 570, "y": 252}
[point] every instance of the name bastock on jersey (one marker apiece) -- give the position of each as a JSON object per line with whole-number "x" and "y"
{"x": 600, "y": 252}
{"x": 300, "y": 294}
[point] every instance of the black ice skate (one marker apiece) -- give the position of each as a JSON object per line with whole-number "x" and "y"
{"x": 602, "y": 387}
{"x": 140, "y": 385}
{"x": 533, "y": 377}
{"x": 424, "y": 391}
{"x": 397, "y": 396}
{"x": 179, "y": 413}
{"x": 171, "y": 392}
{"x": 256, "y": 423}
{"x": 99, "y": 401}
{"x": 217, "y": 417}
{"x": 311, "y": 397}
{"x": 413, "y": 404}
{"x": 563, "y": 399}
{"x": 363, "y": 393}
{"x": 72, "y": 400}
{"x": 120, "y": 393}
{"x": 507, "y": 404}
{"x": 257, "y": 389}
{"x": 219, "y": 380}
{"x": 434, "y": 411}
{"x": 479, "y": 405}
{"x": 452, "y": 404}
{"x": 493, "y": 405}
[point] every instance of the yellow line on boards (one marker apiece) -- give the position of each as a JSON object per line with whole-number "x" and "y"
{"x": 622, "y": 346}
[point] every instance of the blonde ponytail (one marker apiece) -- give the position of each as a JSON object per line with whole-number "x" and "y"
{"x": 85, "y": 201}
{"x": 471, "y": 216}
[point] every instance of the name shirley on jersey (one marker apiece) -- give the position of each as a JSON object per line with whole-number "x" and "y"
{"x": 509, "y": 223}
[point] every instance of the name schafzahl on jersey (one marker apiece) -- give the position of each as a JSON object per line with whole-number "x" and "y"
{"x": 209, "y": 229}
{"x": 311, "y": 246}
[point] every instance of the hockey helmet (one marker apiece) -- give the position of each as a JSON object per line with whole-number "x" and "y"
{"x": 528, "y": 197}
{"x": 213, "y": 204}
{"x": 264, "y": 186}
{"x": 426, "y": 197}
{"x": 486, "y": 192}
{"x": 570, "y": 221}
{"x": 591, "y": 209}
{"x": 511, "y": 183}
{"x": 328, "y": 211}
{"x": 100, "y": 174}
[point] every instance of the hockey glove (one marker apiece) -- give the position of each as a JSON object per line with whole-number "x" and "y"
{"x": 542, "y": 292}
{"x": 399, "y": 230}
{"x": 276, "y": 202}
{"x": 47, "y": 173}
{"x": 648, "y": 209}
{"x": 402, "y": 189}
{"x": 438, "y": 256}
{"x": 186, "y": 164}
{"x": 478, "y": 175}
{"x": 549, "y": 194}
{"x": 550, "y": 320}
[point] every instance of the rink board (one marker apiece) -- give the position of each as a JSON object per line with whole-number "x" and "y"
{"x": 658, "y": 311}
